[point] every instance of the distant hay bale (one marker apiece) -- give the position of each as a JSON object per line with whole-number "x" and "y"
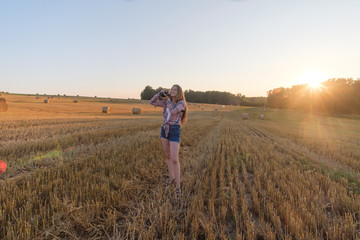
{"x": 3, "y": 105}
{"x": 106, "y": 109}
{"x": 261, "y": 116}
{"x": 46, "y": 101}
{"x": 223, "y": 107}
{"x": 245, "y": 116}
{"x": 75, "y": 101}
{"x": 37, "y": 97}
{"x": 202, "y": 108}
{"x": 136, "y": 110}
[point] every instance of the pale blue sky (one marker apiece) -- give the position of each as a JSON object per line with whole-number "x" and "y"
{"x": 115, "y": 48}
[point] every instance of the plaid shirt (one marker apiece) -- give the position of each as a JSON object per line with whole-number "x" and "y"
{"x": 172, "y": 113}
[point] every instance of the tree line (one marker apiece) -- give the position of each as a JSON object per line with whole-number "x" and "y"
{"x": 336, "y": 95}
{"x": 211, "y": 97}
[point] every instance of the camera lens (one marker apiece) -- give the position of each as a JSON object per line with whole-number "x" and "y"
{"x": 164, "y": 94}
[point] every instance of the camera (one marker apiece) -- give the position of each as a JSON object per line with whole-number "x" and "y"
{"x": 164, "y": 94}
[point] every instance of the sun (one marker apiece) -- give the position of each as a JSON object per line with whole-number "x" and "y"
{"x": 313, "y": 79}
{"x": 314, "y": 84}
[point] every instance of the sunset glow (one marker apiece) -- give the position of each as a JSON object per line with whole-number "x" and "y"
{"x": 313, "y": 79}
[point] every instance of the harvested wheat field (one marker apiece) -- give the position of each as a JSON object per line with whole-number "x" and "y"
{"x": 76, "y": 173}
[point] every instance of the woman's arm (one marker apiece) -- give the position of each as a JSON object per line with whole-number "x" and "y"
{"x": 156, "y": 102}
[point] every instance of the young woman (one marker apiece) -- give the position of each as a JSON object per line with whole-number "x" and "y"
{"x": 174, "y": 115}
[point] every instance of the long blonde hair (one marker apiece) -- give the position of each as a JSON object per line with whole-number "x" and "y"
{"x": 181, "y": 96}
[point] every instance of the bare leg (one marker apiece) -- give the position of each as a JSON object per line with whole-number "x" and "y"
{"x": 166, "y": 146}
{"x": 174, "y": 158}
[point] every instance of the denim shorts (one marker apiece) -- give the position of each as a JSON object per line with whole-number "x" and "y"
{"x": 174, "y": 133}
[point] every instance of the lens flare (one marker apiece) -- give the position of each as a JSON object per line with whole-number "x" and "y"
{"x": 2, "y": 166}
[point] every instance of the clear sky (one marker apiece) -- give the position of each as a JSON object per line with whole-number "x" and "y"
{"x": 114, "y": 48}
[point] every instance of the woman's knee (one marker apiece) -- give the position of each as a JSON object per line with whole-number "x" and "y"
{"x": 174, "y": 160}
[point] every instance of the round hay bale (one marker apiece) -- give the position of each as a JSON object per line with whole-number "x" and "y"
{"x": 75, "y": 101}
{"x": 202, "y": 108}
{"x": 106, "y": 110}
{"x": 3, "y": 105}
{"x": 261, "y": 116}
{"x": 136, "y": 110}
{"x": 245, "y": 116}
{"x": 46, "y": 101}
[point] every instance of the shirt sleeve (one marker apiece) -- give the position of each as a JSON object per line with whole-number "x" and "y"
{"x": 156, "y": 102}
{"x": 180, "y": 107}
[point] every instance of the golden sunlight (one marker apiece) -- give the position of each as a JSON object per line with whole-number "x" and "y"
{"x": 313, "y": 79}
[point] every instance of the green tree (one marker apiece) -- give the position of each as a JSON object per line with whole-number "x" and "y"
{"x": 147, "y": 93}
